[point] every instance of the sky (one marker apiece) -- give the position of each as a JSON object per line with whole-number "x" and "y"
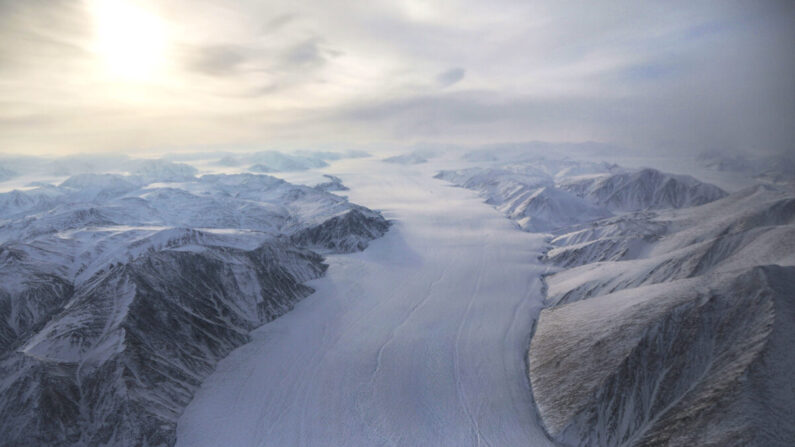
{"x": 137, "y": 75}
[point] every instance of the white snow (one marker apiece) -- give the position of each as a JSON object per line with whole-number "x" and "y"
{"x": 419, "y": 340}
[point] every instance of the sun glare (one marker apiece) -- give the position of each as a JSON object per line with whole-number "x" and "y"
{"x": 130, "y": 40}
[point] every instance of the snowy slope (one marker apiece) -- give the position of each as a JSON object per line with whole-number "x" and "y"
{"x": 269, "y": 161}
{"x": 701, "y": 361}
{"x": 671, "y": 327}
{"x": 119, "y": 294}
{"x": 748, "y": 228}
{"x": 527, "y": 196}
{"x": 642, "y": 189}
{"x": 546, "y": 194}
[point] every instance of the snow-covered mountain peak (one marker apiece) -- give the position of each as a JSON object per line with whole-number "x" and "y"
{"x": 642, "y": 189}
{"x": 544, "y": 194}
{"x": 164, "y": 171}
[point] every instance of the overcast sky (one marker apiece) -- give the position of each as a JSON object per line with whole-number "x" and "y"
{"x": 124, "y": 75}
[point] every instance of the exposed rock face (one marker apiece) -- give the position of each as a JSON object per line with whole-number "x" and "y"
{"x": 672, "y": 327}
{"x": 113, "y": 311}
{"x": 344, "y": 233}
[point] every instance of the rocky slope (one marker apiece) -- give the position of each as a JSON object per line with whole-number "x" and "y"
{"x": 119, "y": 294}
{"x": 671, "y": 327}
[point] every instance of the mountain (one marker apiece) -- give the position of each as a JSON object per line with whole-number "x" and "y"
{"x": 549, "y": 194}
{"x": 119, "y": 294}
{"x": 333, "y": 184}
{"x": 406, "y": 159}
{"x": 147, "y": 170}
{"x": 527, "y": 196}
{"x": 333, "y": 156}
{"x": 671, "y": 327}
{"x": 164, "y": 171}
{"x": 669, "y": 303}
{"x": 261, "y": 168}
{"x": 6, "y": 174}
{"x": 642, "y": 189}
{"x": 415, "y": 157}
{"x": 533, "y": 151}
{"x": 772, "y": 169}
{"x": 166, "y": 168}
{"x": 276, "y": 161}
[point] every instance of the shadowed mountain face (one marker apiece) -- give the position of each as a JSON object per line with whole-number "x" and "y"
{"x": 114, "y": 308}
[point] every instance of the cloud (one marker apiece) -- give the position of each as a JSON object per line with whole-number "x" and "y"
{"x": 305, "y": 54}
{"x": 280, "y": 21}
{"x": 216, "y": 60}
{"x": 450, "y": 77}
{"x": 40, "y": 35}
{"x": 710, "y": 74}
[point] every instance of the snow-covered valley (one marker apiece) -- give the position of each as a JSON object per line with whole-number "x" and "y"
{"x": 442, "y": 298}
{"x": 419, "y": 340}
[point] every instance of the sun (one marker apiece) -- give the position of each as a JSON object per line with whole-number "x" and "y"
{"x": 130, "y": 41}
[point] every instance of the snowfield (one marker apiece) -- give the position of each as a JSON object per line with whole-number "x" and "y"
{"x": 419, "y": 340}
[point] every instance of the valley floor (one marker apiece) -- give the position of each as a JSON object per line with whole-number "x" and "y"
{"x": 419, "y": 340}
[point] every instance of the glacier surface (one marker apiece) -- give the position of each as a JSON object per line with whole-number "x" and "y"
{"x": 419, "y": 340}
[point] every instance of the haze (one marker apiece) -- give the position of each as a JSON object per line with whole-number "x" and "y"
{"x": 132, "y": 76}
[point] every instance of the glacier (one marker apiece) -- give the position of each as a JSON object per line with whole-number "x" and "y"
{"x": 418, "y": 340}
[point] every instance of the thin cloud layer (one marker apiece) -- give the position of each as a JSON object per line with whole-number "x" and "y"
{"x": 708, "y": 76}
{"x": 450, "y": 76}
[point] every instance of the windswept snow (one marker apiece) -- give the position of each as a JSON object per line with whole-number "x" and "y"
{"x": 419, "y": 340}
